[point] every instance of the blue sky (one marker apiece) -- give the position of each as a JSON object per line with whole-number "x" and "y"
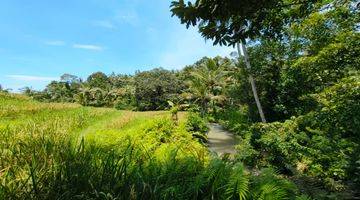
{"x": 40, "y": 39}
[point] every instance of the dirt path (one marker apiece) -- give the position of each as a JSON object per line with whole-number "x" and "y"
{"x": 220, "y": 140}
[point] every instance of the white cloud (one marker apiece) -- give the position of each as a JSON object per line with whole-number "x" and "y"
{"x": 88, "y": 47}
{"x": 55, "y": 43}
{"x": 31, "y": 78}
{"x": 186, "y": 46}
{"x": 104, "y": 24}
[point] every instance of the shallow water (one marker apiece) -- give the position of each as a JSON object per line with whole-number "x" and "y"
{"x": 220, "y": 140}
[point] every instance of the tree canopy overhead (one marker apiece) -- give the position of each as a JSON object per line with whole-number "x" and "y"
{"x": 227, "y": 22}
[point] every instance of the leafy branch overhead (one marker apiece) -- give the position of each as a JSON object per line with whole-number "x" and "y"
{"x": 231, "y": 21}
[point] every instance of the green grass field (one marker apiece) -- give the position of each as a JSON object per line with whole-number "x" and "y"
{"x": 65, "y": 151}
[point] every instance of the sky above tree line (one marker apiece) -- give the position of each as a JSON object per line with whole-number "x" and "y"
{"x": 40, "y": 40}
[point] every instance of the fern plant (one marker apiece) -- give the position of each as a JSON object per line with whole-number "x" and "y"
{"x": 238, "y": 185}
{"x": 268, "y": 185}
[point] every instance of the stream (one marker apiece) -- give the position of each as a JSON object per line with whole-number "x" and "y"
{"x": 220, "y": 140}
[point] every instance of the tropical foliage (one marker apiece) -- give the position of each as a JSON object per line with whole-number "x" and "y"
{"x": 305, "y": 59}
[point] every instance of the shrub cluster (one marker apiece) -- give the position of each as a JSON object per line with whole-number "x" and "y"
{"x": 323, "y": 143}
{"x": 197, "y": 125}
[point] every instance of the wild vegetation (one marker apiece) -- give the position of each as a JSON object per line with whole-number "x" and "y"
{"x": 65, "y": 151}
{"x": 292, "y": 96}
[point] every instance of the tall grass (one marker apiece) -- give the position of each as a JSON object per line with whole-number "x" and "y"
{"x": 86, "y": 153}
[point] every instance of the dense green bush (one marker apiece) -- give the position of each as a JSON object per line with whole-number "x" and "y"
{"x": 196, "y": 123}
{"x": 235, "y": 119}
{"x": 125, "y": 102}
{"x": 93, "y": 173}
{"x": 323, "y": 143}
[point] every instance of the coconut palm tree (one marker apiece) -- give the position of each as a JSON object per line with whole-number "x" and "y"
{"x": 84, "y": 96}
{"x": 206, "y": 83}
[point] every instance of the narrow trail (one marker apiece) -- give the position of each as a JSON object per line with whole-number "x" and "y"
{"x": 220, "y": 140}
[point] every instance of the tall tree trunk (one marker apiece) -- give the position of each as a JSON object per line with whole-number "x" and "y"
{"x": 204, "y": 107}
{"x": 251, "y": 79}
{"x": 214, "y": 108}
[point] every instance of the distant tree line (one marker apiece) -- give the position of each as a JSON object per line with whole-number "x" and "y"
{"x": 4, "y": 90}
{"x": 146, "y": 90}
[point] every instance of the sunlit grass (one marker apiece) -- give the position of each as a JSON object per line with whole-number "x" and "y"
{"x": 36, "y": 137}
